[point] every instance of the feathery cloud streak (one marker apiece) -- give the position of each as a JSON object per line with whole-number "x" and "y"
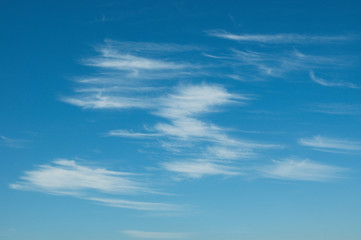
{"x": 130, "y": 79}
{"x": 183, "y": 109}
{"x": 326, "y": 83}
{"x": 323, "y": 143}
{"x": 274, "y": 60}
{"x": 131, "y": 63}
{"x": 281, "y": 38}
{"x": 124, "y": 133}
{"x": 337, "y": 109}
{"x": 199, "y": 147}
{"x": 127, "y": 72}
{"x": 136, "y": 205}
{"x": 276, "y": 64}
{"x": 67, "y": 177}
{"x": 11, "y": 142}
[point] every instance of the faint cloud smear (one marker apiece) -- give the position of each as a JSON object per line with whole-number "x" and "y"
{"x": 11, "y": 142}
{"x": 281, "y": 38}
{"x": 155, "y": 235}
{"x": 277, "y": 64}
{"x": 328, "y": 144}
{"x": 137, "y": 205}
{"x": 337, "y": 109}
{"x": 301, "y": 170}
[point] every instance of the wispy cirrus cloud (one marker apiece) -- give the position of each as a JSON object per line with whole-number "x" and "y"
{"x": 184, "y": 109}
{"x": 200, "y": 168}
{"x": 229, "y": 152}
{"x": 192, "y": 137}
{"x": 331, "y": 144}
{"x": 155, "y": 235}
{"x": 275, "y": 55}
{"x": 136, "y": 205}
{"x": 126, "y": 72}
{"x": 67, "y": 177}
{"x": 131, "y": 134}
{"x": 277, "y": 64}
{"x": 301, "y": 170}
{"x": 129, "y": 62}
{"x": 199, "y": 147}
{"x": 248, "y": 64}
{"x": 12, "y": 142}
{"x": 337, "y": 108}
{"x": 130, "y": 75}
{"x": 149, "y": 47}
{"x": 190, "y": 100}
{"x": 327, "y": 83}
{"x": 106, "y": 101}
{"x": 132, "y": 56}
{"x": 280, "y": 38}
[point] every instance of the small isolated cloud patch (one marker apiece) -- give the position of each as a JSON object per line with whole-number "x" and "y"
{"x": 301, "y": 170}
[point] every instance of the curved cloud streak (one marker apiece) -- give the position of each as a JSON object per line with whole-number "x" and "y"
{"x": 280, "y": 38}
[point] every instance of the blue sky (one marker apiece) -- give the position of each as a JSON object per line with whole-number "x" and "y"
{"x": 180, "y": 120}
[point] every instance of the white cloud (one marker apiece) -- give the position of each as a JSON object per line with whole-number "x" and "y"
{"x": 281, "y": 38}
{"x": 302, "y": 170}
{"x": 199, "y": 168}
{"x": 101, "y": 101}
{"x": 186, "y": 134}
{"x": 155, "y": 235}
{"x": 131, "y": 63}
{"x": 184, "y": 107}
{"x": 325, "y": 143}
{"x": 126, "y": 56}
{"x": 127, "y": 72}
{"x": 190, "y": 100}
{"x": 112, "y": 89}
{"x": 67, "y": 177}
{"x": 326, "y": 83}
{"x": 129, "y": 79}
{"x": 188, "y": 128}
{"x": 124, "y": 133}
{"x": 136, "y": 205}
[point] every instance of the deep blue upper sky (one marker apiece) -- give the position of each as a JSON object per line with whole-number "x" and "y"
{"x": 180, "y": 120}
